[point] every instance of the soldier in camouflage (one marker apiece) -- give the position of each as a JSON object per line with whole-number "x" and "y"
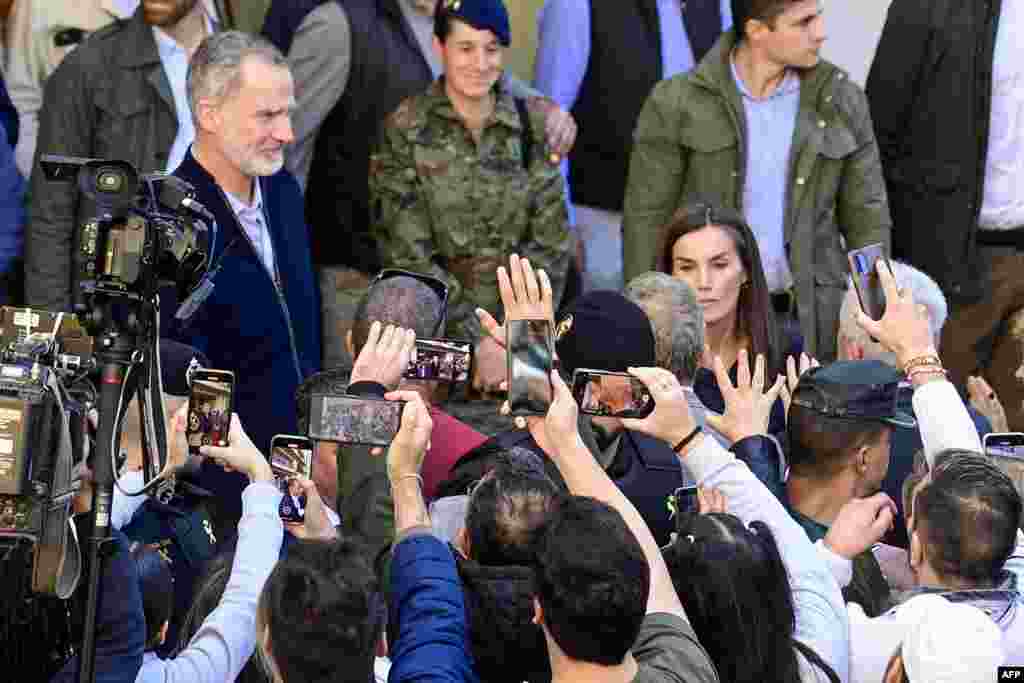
{"x": 461, "y": 178}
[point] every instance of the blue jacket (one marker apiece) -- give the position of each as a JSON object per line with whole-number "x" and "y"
{"x": 427, "y": 604}
{"x": 269, "y": 338}
{"x": 12, "y": 191}
{"x": 120, "y": 621}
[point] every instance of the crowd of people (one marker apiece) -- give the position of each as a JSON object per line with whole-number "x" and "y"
{"x": 675, "y": 197}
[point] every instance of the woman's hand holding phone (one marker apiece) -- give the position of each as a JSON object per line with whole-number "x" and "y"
{"x": 240, "y": 454}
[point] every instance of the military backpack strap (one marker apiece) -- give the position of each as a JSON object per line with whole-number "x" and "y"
{"x": 527, "y": 141}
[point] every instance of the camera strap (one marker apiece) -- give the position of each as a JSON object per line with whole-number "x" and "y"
{"x": 57, "y": 562}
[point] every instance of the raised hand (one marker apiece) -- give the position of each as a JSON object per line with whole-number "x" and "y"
{"x": 904, "y": 329}
{"x": 748, "y": 406}
{"x": 793, "y": 374}
{"x": 385, "y": 355}
{"x": 671, "y": 420}
{"x": 860, "y": 524}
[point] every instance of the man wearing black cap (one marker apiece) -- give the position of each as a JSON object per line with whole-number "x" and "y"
{"x": 840, "y": 422}
{"x": 603, "y": 330}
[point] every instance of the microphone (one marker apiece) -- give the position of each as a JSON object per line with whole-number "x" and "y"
{"x": 176, "y": 194}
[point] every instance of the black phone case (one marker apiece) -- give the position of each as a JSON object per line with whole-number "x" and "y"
{"x": 522, "y": 404}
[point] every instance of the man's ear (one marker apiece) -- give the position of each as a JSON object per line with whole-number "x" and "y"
{"x": 208, "y": 115}
{"x": 915, "y": 556}
{"x": 462, "y": 542}
{"x": 349, "y": 346}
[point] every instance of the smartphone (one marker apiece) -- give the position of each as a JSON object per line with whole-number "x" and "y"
{"x": 441, "y": 360}
{"x": 290, "y": 457}
{"x": 354, "y": 419}
{"x": 865, "y": 279}
{"x": 686, "y": 499}
{"x": 1007, "y": 450}
{"x": 531, "y": 351}
{"x": 1007, "y": 444}
{"x": 210, "y": 403}
{"x": 611, "y": 394}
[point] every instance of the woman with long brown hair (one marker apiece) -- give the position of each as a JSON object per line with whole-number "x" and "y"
{"x": 714, "y": 251}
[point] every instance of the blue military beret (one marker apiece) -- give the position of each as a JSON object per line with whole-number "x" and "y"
{"x": 483, "y": 15}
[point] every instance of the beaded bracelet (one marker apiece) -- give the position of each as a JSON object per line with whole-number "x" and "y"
{"x": 417, "y": 477}
{"x": 931, "y": 370}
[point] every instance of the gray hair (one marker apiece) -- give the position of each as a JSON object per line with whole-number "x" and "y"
{"x": 400, "y": 300}
{"x": 925, "y": 292}
{"x": 215, "y": 71}
{"x": 677, "y": 319}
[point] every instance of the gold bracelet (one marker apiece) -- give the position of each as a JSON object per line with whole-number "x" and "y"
{"x": 921, "y": 361}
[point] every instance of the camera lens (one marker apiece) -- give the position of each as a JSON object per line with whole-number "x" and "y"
{"x": 109, "y": 182}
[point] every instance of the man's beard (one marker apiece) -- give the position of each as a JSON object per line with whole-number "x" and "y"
{"x": 252, "y": 163}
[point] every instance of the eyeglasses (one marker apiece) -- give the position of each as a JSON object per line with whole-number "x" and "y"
{"x": 439, "y": 287}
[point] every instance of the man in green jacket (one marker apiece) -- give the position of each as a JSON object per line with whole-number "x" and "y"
{"x": 764, "y": 125}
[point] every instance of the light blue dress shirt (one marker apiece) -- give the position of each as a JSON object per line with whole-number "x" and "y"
{"x": 175, "y": 62}
{"x": 771, "y": 123}
{"x": 251, "y": 217}
{"x": 563, "y": 47}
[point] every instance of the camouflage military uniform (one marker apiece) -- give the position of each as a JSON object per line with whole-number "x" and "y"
{"x": 446, "y": 206}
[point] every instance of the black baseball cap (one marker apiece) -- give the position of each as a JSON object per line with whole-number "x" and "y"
{"x": 603, "y": 330}
{"x": 866, "y": 390}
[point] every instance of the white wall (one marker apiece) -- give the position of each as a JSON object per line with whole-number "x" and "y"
{"x": 854, "y": 27}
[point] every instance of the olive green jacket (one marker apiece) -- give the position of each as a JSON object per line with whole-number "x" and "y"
{"x": 444, "y": 205}
{"x": 690, "y": 142}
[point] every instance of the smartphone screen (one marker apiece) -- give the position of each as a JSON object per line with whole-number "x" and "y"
{"x": 441, "y": 360}
{"x": 291, "y": 457}
{"x": 611, "y": 394}
{"x": 865, "y": 279}
{"x": 1007, "y": 450}
{"x": 686, "y": 499}
{"x": 355, "y": 420}
{"x": 530, "y": 349}
{"x": 209, "y": 408}
{"x": 1008, "y": 444}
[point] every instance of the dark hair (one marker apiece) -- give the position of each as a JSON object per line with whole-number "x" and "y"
{"x": 761, "y": 10}
{"x": 157, "y": 586}
{"x": 323, "y": 612}
{"x": 968, "y": 515}
{"x": 820, "y": 444}
{"x": 506, "y": 510}
{"x": 734, "y": 586}
{"x": 754, "y": 316}
{"x": 400, "y": 300}
{"x": 592, "y": 581}
{"x": 208, "y": 592}
{"x": 491, "y": 454}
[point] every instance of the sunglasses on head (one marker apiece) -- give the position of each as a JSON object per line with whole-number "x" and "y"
{"x": 439, "y": 287}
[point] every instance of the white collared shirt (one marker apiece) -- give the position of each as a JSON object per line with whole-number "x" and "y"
{"x": 1002, "y": 205}
{"x": 175, "y": 61}
{"x": 252, "y": 220}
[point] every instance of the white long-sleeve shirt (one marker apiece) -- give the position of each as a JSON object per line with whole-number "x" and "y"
{"x": 821, "y": 617}
{"x": 227, "y": 638}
